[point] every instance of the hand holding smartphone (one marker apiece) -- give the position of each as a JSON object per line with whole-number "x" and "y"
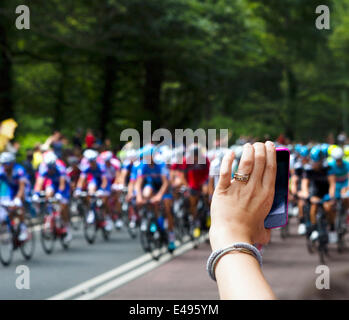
{"x": 278, "y": 215}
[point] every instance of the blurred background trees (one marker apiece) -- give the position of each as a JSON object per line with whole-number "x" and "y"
{"x": 256, "y": 67}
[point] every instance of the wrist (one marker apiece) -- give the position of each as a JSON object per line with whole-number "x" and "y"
{"x": 222, "y": 237}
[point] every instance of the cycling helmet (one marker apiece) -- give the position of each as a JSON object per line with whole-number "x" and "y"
{"x": 106, "y": 155}
{"x": 7, "y": 157}
{"x": 298, "y": 148}
{"x": 90, "y": 155}
{"x": 304, "y": 151}
{"x": 238, "y": 152}
{"x": 331, "y": 148}
{"x": 131, "y": 154}
{"x": 346, "y": 150}
{"x": 50, "y": 158}
{"x": 147, "y": 150}
{"x": 221, "y": 153}
{"x": 337, "y": 153}
{"x": 315, "y": 154}
{"x": 211, "y": 154}
{"x": 324, "y": 149}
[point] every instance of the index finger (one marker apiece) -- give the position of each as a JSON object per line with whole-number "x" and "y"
{"x": 269, "y": 175}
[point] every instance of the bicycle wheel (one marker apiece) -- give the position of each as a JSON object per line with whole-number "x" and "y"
{"x": 6, "y": 244}
{"x": 75, "y": 215}
{"x": 284, "y": 231}
{"x": 132, "y": 223}
{"x": 179, "y": 229}
{"x": 106, "y": 234}
{"x": 47, "y": 233}
{"x": 155, "y": 241}
{"x": 90, "y": 226}
{"x": 144, "y": 235}
{"x": 27, "y": 247}
{"x": 322, "y": 250}
{"x": 195, "y": 233}
{"x": 341, "y": 229}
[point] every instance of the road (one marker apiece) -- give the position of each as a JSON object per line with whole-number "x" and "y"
{"x": 288, "y": 267}
{"x": 119, "y": 269}
{"x": 63, "y": 269}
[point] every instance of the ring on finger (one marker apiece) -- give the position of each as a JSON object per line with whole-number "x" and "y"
{"x": 241, "y": 177}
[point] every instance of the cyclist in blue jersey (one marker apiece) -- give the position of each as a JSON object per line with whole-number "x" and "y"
{"x": 53, "y": 179}
{"x": 93, "y": 174}
{"x": 153, "y": 184}
{"x": 13, "y": 183}
{"x": 131, "y": 190}
{"x": 315, "y": 186}
{"x": 297, "y": 168}
{"x": 338, "y": 175}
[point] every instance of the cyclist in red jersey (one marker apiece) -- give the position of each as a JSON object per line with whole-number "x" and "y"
{"x": 197, "y": 167}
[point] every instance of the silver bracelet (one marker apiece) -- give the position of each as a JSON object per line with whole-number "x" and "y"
{"x": 216, "y": 255}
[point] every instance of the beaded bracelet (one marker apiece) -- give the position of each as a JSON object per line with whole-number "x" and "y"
{"x": 240, "y": 246}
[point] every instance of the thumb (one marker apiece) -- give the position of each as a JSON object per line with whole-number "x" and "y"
{"x": 225, "y": 171}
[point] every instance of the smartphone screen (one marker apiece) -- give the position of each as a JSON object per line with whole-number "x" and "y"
{"x": 278, "y": 214}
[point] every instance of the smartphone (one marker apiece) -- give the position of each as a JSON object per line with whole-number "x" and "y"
{"x": 278, "y": 215}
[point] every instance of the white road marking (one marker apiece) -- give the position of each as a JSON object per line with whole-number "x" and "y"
{"x": 85, "y": 286}
{"x": 103, "y": 289}
{"x": 97, "y": 286}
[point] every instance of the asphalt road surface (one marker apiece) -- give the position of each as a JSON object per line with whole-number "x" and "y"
{"x": 119, "y": 269}
{"x": 63, "y": 269}
{"x": 287, "y": 265}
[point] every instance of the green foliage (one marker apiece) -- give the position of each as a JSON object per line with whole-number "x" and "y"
{"x": 255, "y": 67}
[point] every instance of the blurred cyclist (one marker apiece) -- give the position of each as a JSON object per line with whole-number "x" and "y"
{"x": 13, "y": 181}
{"x": 52, "y": 178}
{"x": 315, "y": 186}
{"x": 152, "y": 184}
{"x": 94, "y": 174}
{"x": 338, "y": 175}
{"x": 296, "y": 171}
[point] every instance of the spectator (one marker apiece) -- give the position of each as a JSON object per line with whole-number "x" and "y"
{"x": 281, "y": 139}
{"x": 28, "y": 166}
{"x": 77, "y": 141}
{"x": 57, "y": 144}
{"x": 90, "y": 139}
{"x": 37, "y": 156}
{"x": 238, "y": 211}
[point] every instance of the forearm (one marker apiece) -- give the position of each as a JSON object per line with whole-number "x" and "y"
{"x": 240, "y": 277}
{"x": 104, "y": 183}
{"x": 81, "y": 182}
{"x": 20, "y": 193}
{"x": 61, "y": 184}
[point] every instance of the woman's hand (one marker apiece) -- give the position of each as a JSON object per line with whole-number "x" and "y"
{"x": 238, "y": 209}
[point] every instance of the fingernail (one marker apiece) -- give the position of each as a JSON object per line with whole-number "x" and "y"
{"x": 270, "y": 143}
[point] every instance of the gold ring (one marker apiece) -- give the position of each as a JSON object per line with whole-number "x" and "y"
{"x": 241, "y": 177}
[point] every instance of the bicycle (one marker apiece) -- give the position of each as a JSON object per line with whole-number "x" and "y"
{"x": 94, "y": 218}
{"x": 341, "y": 225}
{"x": 200, "y": 225}
{"x": 153, "y": 236}
{"x": 321, "y": 242}
{"x": 181, "y": 215}
{"x": 52, "y": 226}
{"x": 76, "y": 212}
{"x": 9, "y": 236}
{"x": 129, "y": 215}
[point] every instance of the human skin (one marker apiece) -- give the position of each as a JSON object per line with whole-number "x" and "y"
{"x": 238, "y": 211}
